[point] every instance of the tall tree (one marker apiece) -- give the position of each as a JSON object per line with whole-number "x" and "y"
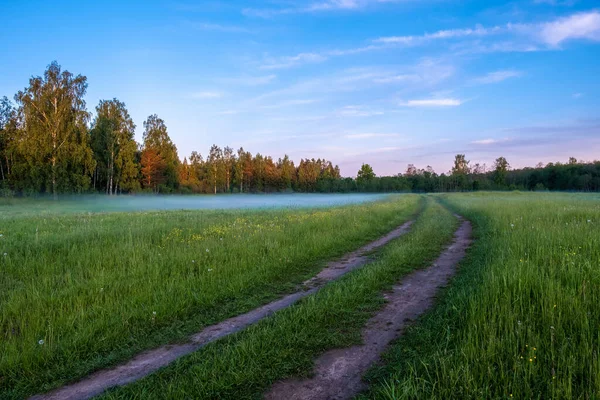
{"x": 228, "y": 162}
{"x": 153, "y": 166}
{"x": 156, "y": 138}
{"x": 214, "y": 161}
{"x": 113, "y": 143}
{"x": 56, "y": 139}
{"x": 461, "y": 165}
{"x": 365, "y": 174}
{"x": 501, "y": 167}
{"x": 7, "y": 129}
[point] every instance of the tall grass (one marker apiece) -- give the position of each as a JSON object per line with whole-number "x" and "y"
{"x": 243, "y": 365}
{"x": 522, "y": 319}
{"x": 80, "y": 292}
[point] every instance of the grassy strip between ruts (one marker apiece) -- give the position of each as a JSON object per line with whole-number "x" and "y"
{"x": 521, "y": 319}
{"x": 81, "y": 292}
{"x": 245, "y": 364}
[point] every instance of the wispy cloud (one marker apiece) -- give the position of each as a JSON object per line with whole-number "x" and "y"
{"x": 207, "y": 95}
{"x": 442, "y": 34}
{"x": 577, "y": 95}
{"x": 292, "y": 61}
{"x": 487, "y": 142}
{"x": 316, "y": 7}
{"x": 445, "y": 102}
{"x": 523, "y": 38}
{"x": 497, "y": 76}
{"x": 251, "y": 80}
{"x": 585, "y": 25}
{"x": 358, "y": 111}
{"x": 370, "y": 135}
{"x": 290, "y": 103}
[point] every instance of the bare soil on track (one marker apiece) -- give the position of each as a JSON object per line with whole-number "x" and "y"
{"x": 149, "y": 361}
{"x": 338, "y": 373}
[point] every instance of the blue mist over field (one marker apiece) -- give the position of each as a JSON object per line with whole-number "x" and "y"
{"x": 99, "y": 204}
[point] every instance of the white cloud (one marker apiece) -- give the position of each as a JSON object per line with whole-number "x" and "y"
{"x": 292, "y": 61}
{"x": 358, "y": 111}
{"x": 288, "y": 103}
{"x": 487, "y": 142}
{"x": 251, "y": 80}
{"x": 447, "y": 102}
{"x": 585, "y": 25}
{"x": 317, "y": 6}
{"x": 497, "y": 76}
{"x": 442, "y": 34}
{"x": 358, "y": 136}
{"x": 207, "y": 95}
{"x": 577, "y": 95}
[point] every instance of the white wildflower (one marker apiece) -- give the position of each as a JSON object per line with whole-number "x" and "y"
{"x": 41, "y": 341}
{"x": 210, "y": 269}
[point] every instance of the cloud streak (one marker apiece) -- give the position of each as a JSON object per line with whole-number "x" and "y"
{"x": 523, "y": 38}
{"x": 446, "y": 102}
{"x": 316, "y": 7}
{"x": 207, "y": 95}
{"x": 497, "y": 76}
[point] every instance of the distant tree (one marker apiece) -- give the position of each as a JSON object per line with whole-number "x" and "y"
{"x": 286, "y": 166}
{"x": 114, "y": 146}
{"x": 153, "y": 165}
{"x": 411, "y": 170}
{"x": 228, "y": 161}
{"x": 156, "y": 138}
{"x": 501, "y": 167}
{"x": 572, "y": 161}
{"x": 365, "y": 174}
{"x": 55, "y": 144}
{"x": 7, "y": 133}
{"x": 461, "y": 165}
{"x": 240, "y": 168}
{"x": 214, "y": 161}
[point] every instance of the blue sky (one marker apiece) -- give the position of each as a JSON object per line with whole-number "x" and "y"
{"x": 388, "y": 82}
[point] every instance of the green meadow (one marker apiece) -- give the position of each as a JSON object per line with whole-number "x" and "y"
{"x": 520, "y": 319}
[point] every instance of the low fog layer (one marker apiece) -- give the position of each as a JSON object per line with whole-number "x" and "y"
{"x": 146, "y": 203}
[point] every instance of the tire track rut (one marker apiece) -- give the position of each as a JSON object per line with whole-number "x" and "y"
{"x": 339, "y": 372}
{"x": 149, "y": 361}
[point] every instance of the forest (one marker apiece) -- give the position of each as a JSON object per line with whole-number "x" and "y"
{"x": 49, "y": 144}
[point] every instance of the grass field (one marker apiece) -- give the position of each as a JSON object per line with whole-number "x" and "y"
{"x": 520, "y": 319}
{"x": 244, "y": 365}
{"x": 83, "y": 291}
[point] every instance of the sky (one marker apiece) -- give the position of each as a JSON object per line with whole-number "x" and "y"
{"x": 384, "y": 82}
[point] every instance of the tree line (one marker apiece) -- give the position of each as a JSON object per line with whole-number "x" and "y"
{"x": 49, "y": 144}
{"x": 570, "y": 176}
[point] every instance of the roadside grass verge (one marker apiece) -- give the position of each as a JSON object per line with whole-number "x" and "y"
{"x": 85, "y": 291}
{"x": 522, "y": 317}
{"x": 245, "y": 364}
